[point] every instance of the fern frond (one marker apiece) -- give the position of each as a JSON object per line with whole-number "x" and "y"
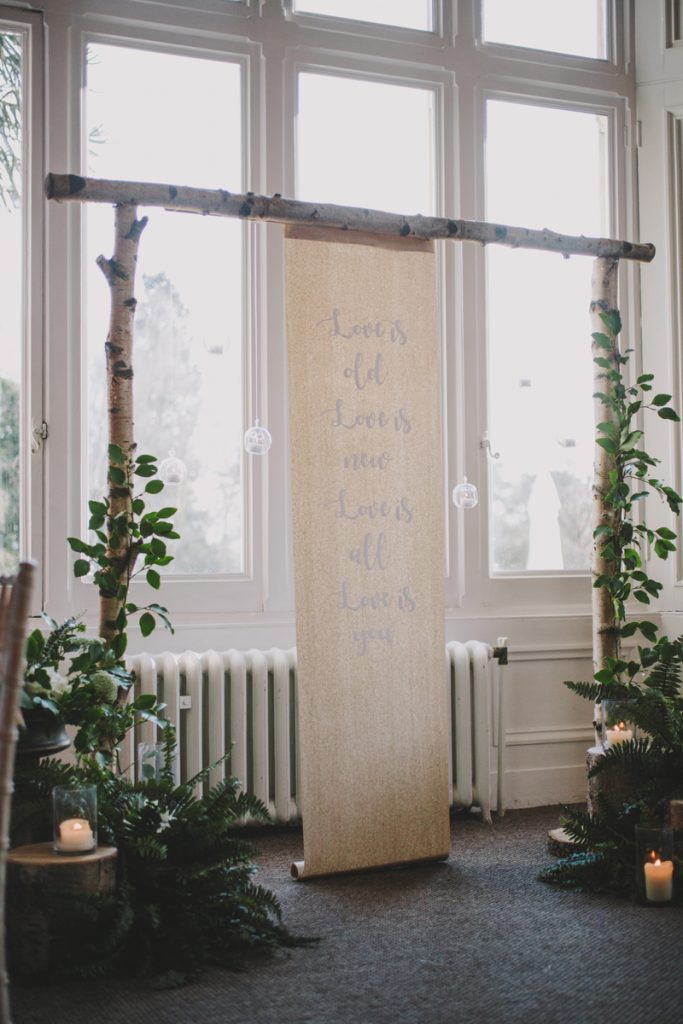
{"x": 586, "y": 871}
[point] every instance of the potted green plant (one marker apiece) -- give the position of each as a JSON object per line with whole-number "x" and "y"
{"x": 72, "y": 679}
{"x": 648, "y": 765}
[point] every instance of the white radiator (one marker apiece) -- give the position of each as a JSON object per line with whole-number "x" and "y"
{"x": 245, "y": 702}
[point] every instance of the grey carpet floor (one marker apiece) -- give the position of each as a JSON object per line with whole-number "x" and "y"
{"x": 476, "y": 939}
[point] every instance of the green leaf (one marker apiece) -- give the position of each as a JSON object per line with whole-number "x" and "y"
{"x": 147, "y": 623}
{"x": 145, "y": 702}
{"x": 146, "y": 469}
{"x": 117, "y": 476}
{"x": 76, "y": 544}
{"x": 661, "y": 399}
{"x": 116, "y": 454}
{"x": 629, "y": 628}
{"x": 119, "y": 644}
{"x": 641, "y": 596}
{"x": 166, "y": 513}
{"x": 81, "y": 567}
{"x": 163, "y": 529}
{"x": 666, "y": 533}
{"x": 142, "y": 459}
{"x": 669, "y": 414}
{"x": 602, "y": 341}
{"x": 157, "y": 547}
{"x": 632, "y": 439}
{"x": 154, "y": 486}
{"x": 645, "y": 377}
{"x": 603, "y": 531}
{"x": 601, "y": 361}
{"x": 607, "y": 444}
{"x": 153, "y": 578}
{"x": 612, "y": 320}
{"x": 649, "y": 631}
{"x": 138, "y": 506}
{"x": 663, "y": 547}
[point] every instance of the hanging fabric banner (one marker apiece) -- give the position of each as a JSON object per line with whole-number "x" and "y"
{"x": 367, "y": 494}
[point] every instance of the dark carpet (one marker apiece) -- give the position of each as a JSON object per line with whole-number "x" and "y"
{"x": 476, "y": 939}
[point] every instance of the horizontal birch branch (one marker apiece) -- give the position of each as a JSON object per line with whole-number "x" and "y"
{"x": 219, "y": 203}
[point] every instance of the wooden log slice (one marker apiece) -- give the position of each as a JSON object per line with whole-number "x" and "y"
{"x": 36, "y": 874}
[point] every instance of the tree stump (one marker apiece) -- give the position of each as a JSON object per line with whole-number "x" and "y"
{"x": 40, "y": 885}
{"x": 612, "y": 785}
{"x": 560, "y": 844}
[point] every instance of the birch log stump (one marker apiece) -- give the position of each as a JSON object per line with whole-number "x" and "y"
{"x": 36, "y": 875}
{"x": 119, "y": 272}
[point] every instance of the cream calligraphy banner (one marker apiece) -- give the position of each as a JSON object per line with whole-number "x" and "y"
{"x": 367, "y": 493}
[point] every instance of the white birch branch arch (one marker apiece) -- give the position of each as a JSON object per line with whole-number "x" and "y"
{"x": 275, "y": 209}
{"x": 606, "y": 253}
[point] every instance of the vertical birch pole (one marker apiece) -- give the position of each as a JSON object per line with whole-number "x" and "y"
{"x": 605, "y": 628}
{"x": 14, "y": 609}
{"x": 119, "y": 272}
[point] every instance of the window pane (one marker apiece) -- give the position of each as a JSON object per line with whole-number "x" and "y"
{"x": 401, "y": 13}
{"x": 564, "y": 26}
{"x": 347, "y": 151}
{"x": 176, "y": 119}
{"x": 544, "y": 167}
{"x": 11, "y": 296}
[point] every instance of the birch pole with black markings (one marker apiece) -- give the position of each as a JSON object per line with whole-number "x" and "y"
{"x": 119, "y": 272}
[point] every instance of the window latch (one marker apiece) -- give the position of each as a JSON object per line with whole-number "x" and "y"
{"x": 38, "y": 435}
{"x": 485, "y": 445}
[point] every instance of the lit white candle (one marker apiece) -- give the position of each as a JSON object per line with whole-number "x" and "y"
{"x": 659, "y": 880}
{"x": 619, "y": 734}
{"x": 75, "y": 836}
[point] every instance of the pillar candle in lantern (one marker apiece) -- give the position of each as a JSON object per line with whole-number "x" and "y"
{"x": 658, "y": 880}
{"x": 619, "y": 733}
{"x": 75, "y": 836}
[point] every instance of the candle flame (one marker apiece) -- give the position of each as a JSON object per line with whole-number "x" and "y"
{"x": 622, "y": 725}
{"x": 77, "y": 826}
{"x": 652, "y": 856}
{"x": 658, "y": 863}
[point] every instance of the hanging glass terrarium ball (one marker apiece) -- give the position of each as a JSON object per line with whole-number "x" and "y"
{"x": 172, "y": 470}
{"x": 257, "y": 439}
{"x": 465, "y": 495}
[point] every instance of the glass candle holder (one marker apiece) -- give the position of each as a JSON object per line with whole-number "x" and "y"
{"x": 654, "y": 865}
{"x": 617, "y": 724}
{"x": 150, "y": 761}
{"x": 75, "y": 819}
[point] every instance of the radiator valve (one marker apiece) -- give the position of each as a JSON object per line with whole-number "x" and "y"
{"x": 500, "y": 651}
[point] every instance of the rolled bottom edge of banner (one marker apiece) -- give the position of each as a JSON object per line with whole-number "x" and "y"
{"x": 299, "y": 873}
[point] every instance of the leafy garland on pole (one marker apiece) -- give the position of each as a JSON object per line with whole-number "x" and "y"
{"x": 652, "y": 765}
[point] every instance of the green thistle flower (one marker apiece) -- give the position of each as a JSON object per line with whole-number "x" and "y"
{"x": 104, "y": 686}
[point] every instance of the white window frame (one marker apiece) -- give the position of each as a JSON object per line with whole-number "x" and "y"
{"x": 566, "y": 587}
{"x": 276, "y": 43}
{"x": 374, "y": 29}
{"x": 449, "y": 266}
{"x": 613, "y": 62}
{"x": 29, "y": 26}
{"x": 190, "y": 596}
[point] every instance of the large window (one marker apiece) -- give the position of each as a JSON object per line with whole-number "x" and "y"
{"x": 177, "y": 119}
{"x": 11, "y": 295}
{"x": 500, "y": 110}
{"x": 545, "y": 167}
